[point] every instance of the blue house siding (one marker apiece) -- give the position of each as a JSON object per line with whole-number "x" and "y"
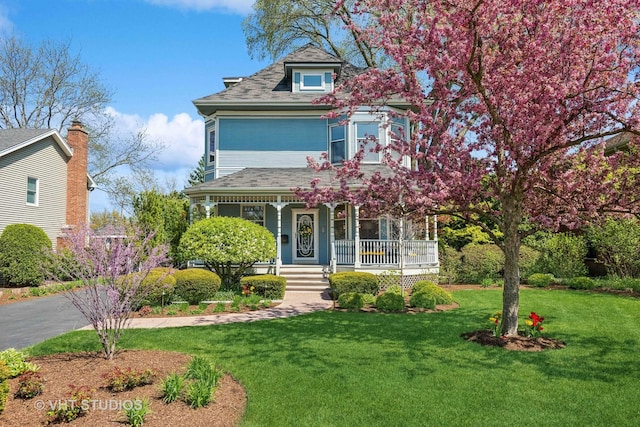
{"x": 272, "y": 134}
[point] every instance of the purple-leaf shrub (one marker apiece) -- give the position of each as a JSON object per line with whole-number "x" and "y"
{"x": 111, "y": 265}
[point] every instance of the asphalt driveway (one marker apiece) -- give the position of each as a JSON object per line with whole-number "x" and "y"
{"x": 29, "y": 322}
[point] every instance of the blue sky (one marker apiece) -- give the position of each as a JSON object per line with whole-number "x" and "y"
{"x": 156, "y": 55}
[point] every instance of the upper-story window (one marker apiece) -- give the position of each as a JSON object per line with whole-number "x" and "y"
{"x": 367, "y": 138}
{"x": 337, "y": 143}
{"x": 312, "y": 81}
{"x": 212, "y": 146}
{"x": 33, "y": 186}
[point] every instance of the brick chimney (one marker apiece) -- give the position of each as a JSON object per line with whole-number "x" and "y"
{"x": 77, "y": 192}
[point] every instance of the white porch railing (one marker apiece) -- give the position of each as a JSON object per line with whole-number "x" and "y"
{"x": 387, "y": 252}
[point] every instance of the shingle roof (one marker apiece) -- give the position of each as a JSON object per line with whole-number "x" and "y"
{"x": 617, "y": 142}
{"x": 15, "y": 139}
{"x": 272, "y": 86}
{"x": 11, "y": 137}
{"x": 277, "y": 180}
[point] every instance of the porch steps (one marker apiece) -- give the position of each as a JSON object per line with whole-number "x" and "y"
{"x": 304, "y": 278}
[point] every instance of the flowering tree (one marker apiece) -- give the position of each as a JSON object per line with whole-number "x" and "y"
{"x": 512, "y": 101}
{"x": 111, "y": 270}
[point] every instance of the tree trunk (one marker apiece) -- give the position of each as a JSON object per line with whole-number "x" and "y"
{"x": 511, "y": 292}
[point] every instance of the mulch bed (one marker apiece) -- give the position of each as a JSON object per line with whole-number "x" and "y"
{"x": 60, "y": 370}
{"x": 517, "y": 343}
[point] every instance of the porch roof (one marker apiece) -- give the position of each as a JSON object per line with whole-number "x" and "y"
{"x": 274, "y": 180}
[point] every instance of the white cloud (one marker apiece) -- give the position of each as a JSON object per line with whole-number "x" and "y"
{"x": 6, "y": 26}
{"x": 182, "y": 137}
{"x": 235, "y": 6}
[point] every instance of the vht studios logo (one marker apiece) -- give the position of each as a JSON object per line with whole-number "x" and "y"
{"x": 88, "y": 404}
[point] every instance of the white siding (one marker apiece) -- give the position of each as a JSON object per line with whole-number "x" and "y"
{"x": 43, "y": 160}
{"x": 230, "y": 161}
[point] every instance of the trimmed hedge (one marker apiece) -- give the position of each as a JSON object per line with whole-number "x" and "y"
{"x": 267, "y": 286}
{"x": 479, "y": 262}
{"x": 21, "y": 254}
{"x": 540, "y": 280}
{"x": 353, "y": 281}
{"x": 440, "y": 295}
{"x": 390, "y": 301}
{"x": 581, "y": 282}
{"x": 351, "y": 301}
{"x": 158, "y": 280}
{"x": 196, "y": 284}
{"x": 423, "y": 299}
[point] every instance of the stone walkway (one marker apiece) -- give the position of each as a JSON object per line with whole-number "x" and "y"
{"x": 294, "y": 303}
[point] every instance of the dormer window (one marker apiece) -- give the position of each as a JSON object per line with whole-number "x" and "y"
{"x": 312, "y": 80}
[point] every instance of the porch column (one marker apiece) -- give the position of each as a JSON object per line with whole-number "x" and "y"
{"x": 278, "y": 205}
{"x": 426, "y": 228}
{"x": 332, "y": 236}
{"x": 435, "y": 228}
{"x": 356, "y": 238}
{"x": 207, "y": 206}
{"x": 191, "y": 210}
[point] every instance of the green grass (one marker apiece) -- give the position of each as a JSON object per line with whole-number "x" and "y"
{"x": 358, "y": 369}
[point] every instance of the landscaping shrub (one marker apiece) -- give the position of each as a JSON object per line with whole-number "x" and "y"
{"x": 16, "y": 363}
{"x": 528, "y": 261}
{"x": 195, "y": 284}
{"x": 352, "y": 281}
{"x": 561, "y": 254}
{"x": 581, "y": 283}
{"x": 450, "y": 262}
{"x": 30, "y": 384}
{"x": 479, "y": 262}
{"x": 158, "y": 287}
{"x": 267, "y": 286}
{"x": 22, "y": 251}
{"x": 390, "y": 302}
{"x": 620, "y": 283}
{"x": 617, "y": 243}
{"x": 423, "y": 299}
{"x": 394, "y": 289}
{"x": 540, "y": 280}
{"x": 440, "y": 295}
{"x": 351, "y": 301}
{"x": 4, "y": 385}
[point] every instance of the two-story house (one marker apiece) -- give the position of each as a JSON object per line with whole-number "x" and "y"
{"x": 43, "y": 179}
{"x": 259, "y": 132}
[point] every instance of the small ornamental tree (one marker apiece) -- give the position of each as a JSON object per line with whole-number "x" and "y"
{"x": 511, "y": 103}
{"x": 111, "y": 270}
{"x": 227, "y": 246}
{"x": 21, "y": 248}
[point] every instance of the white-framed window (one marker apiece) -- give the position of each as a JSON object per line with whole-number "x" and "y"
{"x": 340, "y": 215}
{"x": 33, "y": 191}
{"x": 212, "y": 147}
{"x": 337, "y": 143}
{"x": 311, "y": 81}
{"x": 253, "y": 213}
{"x": 368, "y": 137}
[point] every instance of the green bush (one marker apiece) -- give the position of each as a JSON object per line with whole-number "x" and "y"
{"x": 158, "y": 287}
{"x": 352, "y": 281}
{"x": 195, "y": 284}
{"x": 440, "y": 295}
{"x": 581, "y": 283}
{"x": 4, "y": 384}
{"x": 540, "y": 280}
{"x": 22, "y": 251}
{"x": 561, "y": 254}
{"x": 423, "y": 299}
{"x": 620, "y": 283}
{"x": 528, "y": 261}
{"x": 617, "y": 243}
{"x": 16, "y": 363}
{"x": 351, "y": 301}
{"x": 479, "y": 262}
{"x": 267, "y": 286}
{"x": 394, "y": 289}
{"x": 390, "y": 302}
{"x": 450, "y": 262}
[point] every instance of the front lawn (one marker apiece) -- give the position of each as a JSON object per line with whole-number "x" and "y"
{"x": 352, "y": 369}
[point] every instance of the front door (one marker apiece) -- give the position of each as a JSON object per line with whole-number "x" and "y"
{"x": 305, "y": 236}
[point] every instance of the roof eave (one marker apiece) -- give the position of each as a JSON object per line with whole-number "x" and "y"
{"x": 53, "y": 133}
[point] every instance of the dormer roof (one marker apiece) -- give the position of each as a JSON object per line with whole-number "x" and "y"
{"x": 271, "y": 87}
